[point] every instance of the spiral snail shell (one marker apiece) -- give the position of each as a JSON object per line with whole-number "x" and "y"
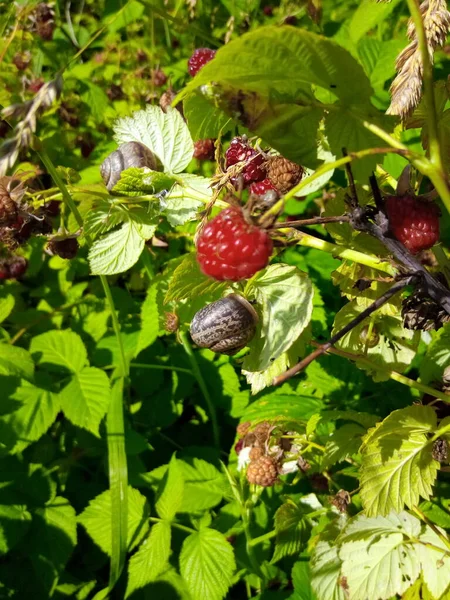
{"x": 225, "y": 326}
{"x": 130, "y": 154}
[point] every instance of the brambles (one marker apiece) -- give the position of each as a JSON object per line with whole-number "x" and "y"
{"x": 262, "y": 471}
{"x": 199, "y": 58}
{"x": 230, "y": 248}
{"x": 413, "y": 222}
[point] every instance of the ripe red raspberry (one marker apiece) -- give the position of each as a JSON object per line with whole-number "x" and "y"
{"x": 238, "y": 150}
{"x": 230, "y": 249}
{"x": 413, "y": 222}
{"x": 199, "y": 58}
{"x": 262, "y": 471}
{"x": 259, "y": 188}
{"x": 67, "y": 248}
{"x": 204, "y": 149}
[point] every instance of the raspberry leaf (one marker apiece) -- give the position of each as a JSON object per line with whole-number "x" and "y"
{"x": 59, "y": 351}
{"x": 204, "y": 119}
{"x": 437, "y": 357}
{"x": 285, "y": 298}
{"x": 379, "y": 556}
{"x": 165, "y": 133}
{"x": 15, "y": 361}
{"x": 151, "y": 559}
{"x": 170, "y": 492}
{"x": 401, "y": 446}
{"x": 185, "y": 198}
{"x": 189, "y": 282}
{"x": 96, "y": 519}
{"x": 207, "y": 564}
{"x": 141, "y": 182}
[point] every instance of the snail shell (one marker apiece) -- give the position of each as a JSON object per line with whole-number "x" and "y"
{"x": 130, "y": 154}
{"x": 225, "y": 326}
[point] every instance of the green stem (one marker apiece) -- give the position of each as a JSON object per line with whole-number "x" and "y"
{"x": 202, "y": 385}
{"x": 249, "y": 545}
{"x": 115, "y": 427}
{"x": 305, "y": 239}
{"x": 162, "y": 368}
{"x": 262, "y": 538}
{"x": 174, "y": 524}
{"x": 430, "y": 524}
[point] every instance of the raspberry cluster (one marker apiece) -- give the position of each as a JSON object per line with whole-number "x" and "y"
{"x": 231, "y": 249}
{"x": 413, "y": 222}
{"x": 275, "y": 175}
{"x": 198, "y": 60}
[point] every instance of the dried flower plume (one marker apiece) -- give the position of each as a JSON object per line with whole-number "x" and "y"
{"x": 406, "y": 89}
{"x": 27, "y": 114}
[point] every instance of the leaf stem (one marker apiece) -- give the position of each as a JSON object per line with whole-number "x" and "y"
{"x": 262, "y": 538}
{"x": 202, "y": 385}
{"x": 305, "y": 239}
{"x": 162, "y": 367}
{"x": 174, "y": 524}
{"x": 430, "y": 524}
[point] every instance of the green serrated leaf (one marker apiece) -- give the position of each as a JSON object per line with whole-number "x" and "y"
{"x": 103, "y": 217}
{"x": 170, "y": 493}
{"x": 341, "y": 444}
{"x": 279, "y": 407}
{"x": 151, "y": 559}
{"x": 116, "y": 251}
{"x": 140, "y": 182}
{"x": 14, "y": 523}
{"x": 437, "y": 357}
{"x": 52, "y": 539}
{"x": 15, "y": 361}
{"x": 207, "y": 564}
{"x": 185, "y": 198}
{"x": 31, "y": 412}
{"x": 189, "y": 282}
{"x": 435, "y": 561}
{"x": 378, "y": 559}
{"x": 85, "y": 399}
{"x": 204, "y": 119}
{"x": 7, "y": 303}
{"x": 325, "y": 566}
{"x": 397, "y": 465}
{"x": 165, "y": 133}
{"x": 301, "y": 578}
{"x": 96, "y": 519}
{"x": 292, "y": 530}
{"x": 55, "y": 349}
{"x": 285, "y": 301}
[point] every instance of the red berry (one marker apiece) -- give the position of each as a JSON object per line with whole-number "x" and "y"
{"x": 159, "y": 78}
{"x": 204, "y": 149}
{"x": 268, "y": 11}
{"x": 199, "y": 58}
{"x": 259, "y": 188}
{"x": 238, "y": 150}
{"x": 35, "y": 85}
{"x": 17, "y": 267}
{"x": 4, "y": 270}
{"x": 231, "y": 249}
{"x": 238, "y": 446}
{"x": 413, "y": 222}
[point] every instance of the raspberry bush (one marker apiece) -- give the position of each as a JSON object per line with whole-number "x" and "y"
{"x": 282, "y": 168}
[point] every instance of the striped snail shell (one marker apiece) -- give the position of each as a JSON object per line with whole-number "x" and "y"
{"x": 225, "y": 326}
{"x": 130, "y": 154}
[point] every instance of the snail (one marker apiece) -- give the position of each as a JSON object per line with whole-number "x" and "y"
{"x": 130, "y": 154}
{"x": 225, "y": 326}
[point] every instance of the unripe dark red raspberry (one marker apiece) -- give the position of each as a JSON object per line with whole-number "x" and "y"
{"x": 240, "y": 150}
{"x": 35, "y": 85}
{"x": 51, "y": 208}
{"x": 413, "y": 222}
{"x": 21, "y": 60}
{"x": 67, "y": 248}
{"x": 283, "y": 173}
{"x": 159, "y": 78}
{"x": 238, "y": 446}
{"x": 199, "y": 58}
{"x": 17, "y": 267}
{"x": 204, "y": 149}
{"x": 262, "y": 471}
{"x": 230, "y": 249}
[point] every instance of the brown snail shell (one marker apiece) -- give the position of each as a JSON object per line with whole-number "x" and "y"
{"x": 225, "y": 326}
{"x": 130, "y": 154}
